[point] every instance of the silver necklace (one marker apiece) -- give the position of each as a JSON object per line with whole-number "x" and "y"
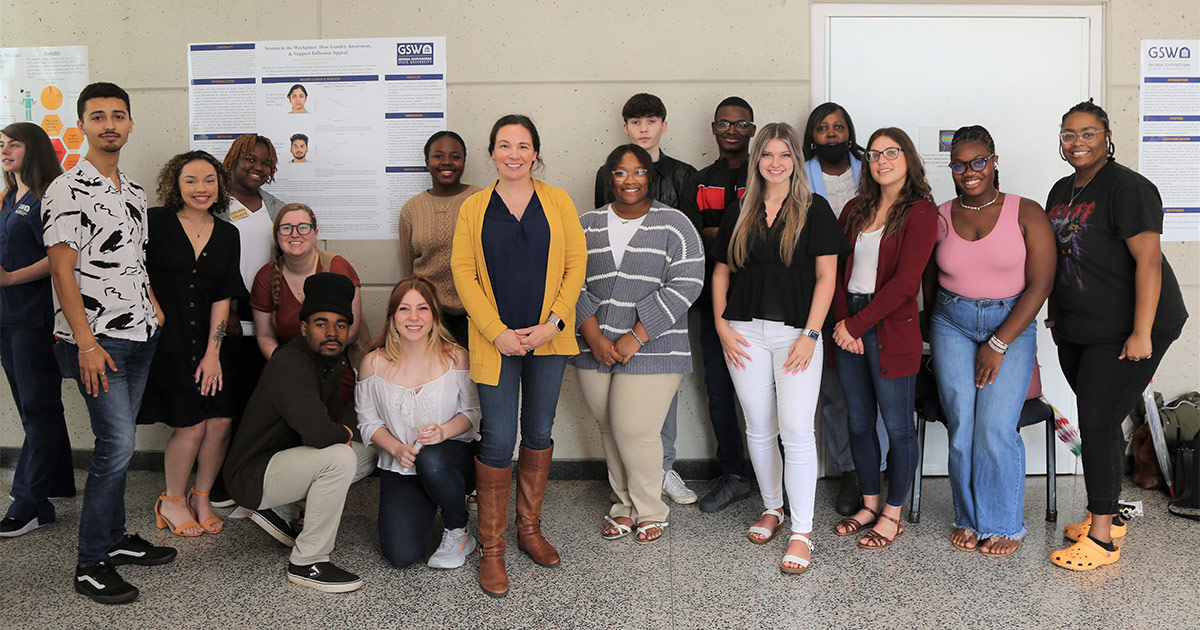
{"x": 199, "y": 230}
{"x": 963, "y": 204}
{"x": 1085, "y": 185}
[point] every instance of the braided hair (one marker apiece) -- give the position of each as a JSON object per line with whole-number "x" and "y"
{"x": 1090, "y": 107}
{"x": 277, "y": 257}
{"x": 974, "y": 133}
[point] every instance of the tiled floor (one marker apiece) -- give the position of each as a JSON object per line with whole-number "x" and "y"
{"x": 705, "y": 574}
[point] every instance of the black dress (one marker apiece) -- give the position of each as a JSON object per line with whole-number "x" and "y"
{"x": 186, "y": 288}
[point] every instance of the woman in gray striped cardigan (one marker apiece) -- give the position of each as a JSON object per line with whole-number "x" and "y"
{"x": 645, "y": 268}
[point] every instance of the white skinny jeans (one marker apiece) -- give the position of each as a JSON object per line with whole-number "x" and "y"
{"x": 778, "y": 405}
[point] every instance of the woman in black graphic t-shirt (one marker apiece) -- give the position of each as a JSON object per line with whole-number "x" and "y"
{"x": 1114, "y": 310}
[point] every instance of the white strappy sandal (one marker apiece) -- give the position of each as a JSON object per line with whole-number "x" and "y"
{"x": 623, "y": 530}
{"x": 647, "y": 526}
{"x": 767, "y": 534}
{"x": 804, "y": 564}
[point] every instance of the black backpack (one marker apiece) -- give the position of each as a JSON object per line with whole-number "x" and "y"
{"x": 1187, "y": 480}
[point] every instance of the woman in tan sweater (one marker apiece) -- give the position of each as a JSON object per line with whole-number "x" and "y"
{"x": 427, "y": 225}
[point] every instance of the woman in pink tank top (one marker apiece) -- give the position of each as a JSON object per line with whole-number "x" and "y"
{"x": 995, "y": 265}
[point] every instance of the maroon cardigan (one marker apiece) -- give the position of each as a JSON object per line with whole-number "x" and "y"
{"x": 893, "y": 311}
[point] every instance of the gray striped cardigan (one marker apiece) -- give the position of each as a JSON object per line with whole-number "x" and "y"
{"x": 660, "y": 276}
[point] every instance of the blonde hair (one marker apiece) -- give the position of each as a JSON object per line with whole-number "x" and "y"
{"x": 441, "y": 342}
{"x": 794, "y": 211}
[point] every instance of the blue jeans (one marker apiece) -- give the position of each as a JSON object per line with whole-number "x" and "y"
{"x": 536, "y": 382}
{"x": 722, "y": 409}
{"x": 113, "y": 415}
{"x": 44, "y": 466}
{"x": 987, "y": 456}
{"x": 408, "y": 503}
{"x": 868, "y": 395}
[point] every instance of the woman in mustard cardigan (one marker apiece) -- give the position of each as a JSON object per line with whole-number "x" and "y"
{"x": 519, "y": 260}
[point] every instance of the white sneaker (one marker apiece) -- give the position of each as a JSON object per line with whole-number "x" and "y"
{"x": 674, "y": 487}
{"x": 456, "y": 545}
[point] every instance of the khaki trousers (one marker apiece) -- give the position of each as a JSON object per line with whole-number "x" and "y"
{"x": 630, "y": 409}
{"x": 320, "y": 478}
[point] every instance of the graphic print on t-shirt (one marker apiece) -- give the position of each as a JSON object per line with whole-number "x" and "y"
{"x": 1070, "y": 226}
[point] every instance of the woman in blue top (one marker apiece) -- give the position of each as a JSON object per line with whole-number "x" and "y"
{"x": 26, "y": 341}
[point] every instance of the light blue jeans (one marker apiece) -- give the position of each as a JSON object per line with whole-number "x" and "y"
{"x": 987, "y": 457}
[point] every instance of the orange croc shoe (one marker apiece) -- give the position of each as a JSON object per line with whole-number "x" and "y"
{"x": 1084, "y": 555}
{"x": 1081, "y": 529}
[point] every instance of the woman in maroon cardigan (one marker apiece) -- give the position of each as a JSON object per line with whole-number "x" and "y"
{"x": 893, "y": 226}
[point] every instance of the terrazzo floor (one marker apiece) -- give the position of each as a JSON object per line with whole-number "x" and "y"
{"x": 704, "y": 574}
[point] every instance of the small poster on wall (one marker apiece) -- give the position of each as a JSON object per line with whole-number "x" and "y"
{"x": 1169, "y": 147}
{"x": 348, "y": 119}
{"x": 40, "y": 85}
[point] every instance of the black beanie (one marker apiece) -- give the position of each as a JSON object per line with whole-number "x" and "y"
{"x": 330, "y": 292}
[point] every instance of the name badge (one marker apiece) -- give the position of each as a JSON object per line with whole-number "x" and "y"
{"x": 239, "y": 214}
{"x": 23, "y": 209}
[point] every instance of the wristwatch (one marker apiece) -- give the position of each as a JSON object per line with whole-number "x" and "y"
{"x": 815, "y": 335}
{"x": 557, "y": 321}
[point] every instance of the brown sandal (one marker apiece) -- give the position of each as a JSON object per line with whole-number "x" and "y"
{"x": 875, "y": 540}
{"x": 854, "y": 525}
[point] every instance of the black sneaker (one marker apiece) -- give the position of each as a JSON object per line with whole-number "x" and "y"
{"x": 219, "y": 497}
{"x": 728, "y": 489}
{"x": 103, "y": 584}
{"x": 275, "y": 525}
{"x": 133, "y": 549}
{"x": 11, "y": 527}
{"x": 323, "y": 576}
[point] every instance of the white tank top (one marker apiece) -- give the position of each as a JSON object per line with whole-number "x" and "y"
{"x": 866, "y": 262}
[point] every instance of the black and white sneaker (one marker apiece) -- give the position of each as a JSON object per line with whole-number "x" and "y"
{"x": 275, "y": 525}
{"x": 11, "y": 527}
{"x": 133, "y": 549}
{"x": 103, "y": 584}
{"x": 324, "y": 576}
{"x": 219, "y": 497}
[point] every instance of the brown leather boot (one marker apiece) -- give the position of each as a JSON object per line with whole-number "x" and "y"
{"x": 533, "y": 470}
{"x": 492, "y": 488}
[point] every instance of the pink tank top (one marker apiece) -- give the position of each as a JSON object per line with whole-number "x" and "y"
{"x": 992, "y": 267}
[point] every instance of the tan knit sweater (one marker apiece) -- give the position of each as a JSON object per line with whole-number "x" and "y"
{"x": 426, "y": 234}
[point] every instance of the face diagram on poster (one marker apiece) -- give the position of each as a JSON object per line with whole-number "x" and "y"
{"x": 40, "y": 85}
{"x": 348, "y": 120}
{"x": 1169, "y": 151}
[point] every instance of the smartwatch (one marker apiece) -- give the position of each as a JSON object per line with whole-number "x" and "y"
{"x": 815, "y": 335}
{"x": 557, "y": 321}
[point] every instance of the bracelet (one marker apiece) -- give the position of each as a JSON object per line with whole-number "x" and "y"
{"x": 635, "y": 336}
{"x": 999, "y": 346}
{"x": 92, "y": 349}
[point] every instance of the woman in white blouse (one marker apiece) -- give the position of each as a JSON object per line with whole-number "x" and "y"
{"x": 416, "y": 403}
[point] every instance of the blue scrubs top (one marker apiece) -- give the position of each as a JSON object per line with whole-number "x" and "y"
{"x": 27, "y": 305}
{"x": 516, "y": 253}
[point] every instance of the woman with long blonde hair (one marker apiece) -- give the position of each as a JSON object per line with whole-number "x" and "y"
{"x": 772, "y": 286}
{"x": 416, "y": 403}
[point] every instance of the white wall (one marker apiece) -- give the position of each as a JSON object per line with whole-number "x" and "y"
{"x": 569, "y": 65}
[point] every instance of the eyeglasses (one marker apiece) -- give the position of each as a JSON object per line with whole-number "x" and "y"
{"x": 303, "y": 229}
{"x": 621, "y": 174}
{"x": 1067, "y": 137}
{"x": 891, "y": 154}
{"x": 741, "y": 125}
{"x": 977, "y": 165}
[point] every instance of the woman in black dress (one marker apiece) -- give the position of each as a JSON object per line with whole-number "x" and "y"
{"x": 193, "y": 264}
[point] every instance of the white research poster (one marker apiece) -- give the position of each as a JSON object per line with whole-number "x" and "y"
{"x": 348, "y": 119}
{"x": 1169, "y": 131}
{"x": 41, "y": 85}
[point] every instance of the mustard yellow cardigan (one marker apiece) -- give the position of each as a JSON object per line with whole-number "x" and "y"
{"x": 565, "y": 272}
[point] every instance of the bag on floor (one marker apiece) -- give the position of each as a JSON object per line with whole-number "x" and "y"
{"x": 1187, "y": 480}
{"x": 1180, "y": 417}
{"x": 1146, "y": 471}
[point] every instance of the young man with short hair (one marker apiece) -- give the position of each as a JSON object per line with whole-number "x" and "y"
{"x": 645, "y": 122}
{"x": 713, "y": 189}
{"x": 292, "y": 445}
{"x": 299, "y": 148}
{"x": 106, "y": 321}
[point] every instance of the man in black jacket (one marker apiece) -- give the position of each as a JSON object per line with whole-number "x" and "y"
{"x": 291, "y": 444}
{"x": 645, "y": 122}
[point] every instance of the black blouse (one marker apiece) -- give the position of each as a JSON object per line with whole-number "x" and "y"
{"x": 186, "y": 288}
{"x": 517, "y": 253}
{"x": 765, "y": 288}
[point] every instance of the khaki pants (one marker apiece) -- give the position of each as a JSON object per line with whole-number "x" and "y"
{"x": 320, "y": 478}
{"x": 630, "y": 409}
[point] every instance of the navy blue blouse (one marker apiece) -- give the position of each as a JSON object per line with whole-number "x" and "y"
{"x": 27, "y": 305}
{"x": 516, "y": 253}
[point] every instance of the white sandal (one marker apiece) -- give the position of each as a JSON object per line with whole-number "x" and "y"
{"x": 796, "y": 559}
{"x": 766, "y": 534}
{"x": 623, "y": 530}
{"x": 647, "y": 526}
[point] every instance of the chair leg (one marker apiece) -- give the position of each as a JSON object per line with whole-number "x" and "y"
{"x": 914, "y": 510}
{"x": 1051, "y": 466}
